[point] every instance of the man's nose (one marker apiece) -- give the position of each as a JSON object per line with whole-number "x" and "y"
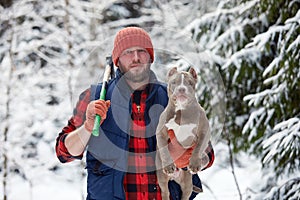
{"x": 136, "y": 55}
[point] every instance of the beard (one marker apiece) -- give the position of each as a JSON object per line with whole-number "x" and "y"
{"x": 136, "y": 74}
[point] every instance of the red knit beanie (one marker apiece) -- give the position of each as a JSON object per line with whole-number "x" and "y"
{"x": 131, "y": 37}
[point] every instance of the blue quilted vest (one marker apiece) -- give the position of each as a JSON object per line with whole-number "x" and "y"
{"x": 107, "y": 154}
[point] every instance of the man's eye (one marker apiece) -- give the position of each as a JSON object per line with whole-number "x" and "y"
{"x": 128, "y": 52}
{"x": 141, "y": 51}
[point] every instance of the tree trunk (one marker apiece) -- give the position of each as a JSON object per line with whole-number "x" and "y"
{"x": 7, "y": 116}
{"x": 231, "y": 160}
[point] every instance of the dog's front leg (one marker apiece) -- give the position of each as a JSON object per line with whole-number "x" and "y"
{"x": 167, "y": 163}
{"x": 195, "y": 161}
{"x": 203, "y": 137}
{"x": 196, "y": 158}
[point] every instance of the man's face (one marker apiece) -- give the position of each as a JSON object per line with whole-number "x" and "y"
{"x": 135, "y": 63}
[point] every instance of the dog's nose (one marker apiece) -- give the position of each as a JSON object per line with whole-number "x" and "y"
{"x": 181, "y": 90}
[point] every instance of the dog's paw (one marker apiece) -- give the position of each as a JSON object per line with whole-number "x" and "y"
{"x": 194, "y": 166}
{"x": 170, "y": 169}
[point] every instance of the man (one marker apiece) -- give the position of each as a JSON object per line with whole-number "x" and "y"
{"x": 121, "y": 160}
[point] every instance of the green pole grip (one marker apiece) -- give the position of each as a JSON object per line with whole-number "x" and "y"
{"x": 107, "y": 73}
{"x": 97, "y": 121}
{"x": 96, "y": 127}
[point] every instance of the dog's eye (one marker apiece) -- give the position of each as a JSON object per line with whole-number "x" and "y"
{"x": 190, "y": 82}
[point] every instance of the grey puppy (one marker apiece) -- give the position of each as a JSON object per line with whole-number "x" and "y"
{"x": 187, "y": 119}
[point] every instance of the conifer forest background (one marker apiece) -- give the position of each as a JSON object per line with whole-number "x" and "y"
{"x": 247, "y": 54}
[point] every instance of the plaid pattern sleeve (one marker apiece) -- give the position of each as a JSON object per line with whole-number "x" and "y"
{"x": 74, "y": 122}
{"x": 140, "y": 181}
{"x": 211, "y": 155}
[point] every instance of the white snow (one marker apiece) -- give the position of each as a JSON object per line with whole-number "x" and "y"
{"x": 41, "y": 97}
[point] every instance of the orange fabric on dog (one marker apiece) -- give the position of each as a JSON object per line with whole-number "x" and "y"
{"x": 180, "y": 155}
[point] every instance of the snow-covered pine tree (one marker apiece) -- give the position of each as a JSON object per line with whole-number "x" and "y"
{"x": 38, "y": 48}
{"x": 49, "y": 41}
{"x": 255, "y": 43}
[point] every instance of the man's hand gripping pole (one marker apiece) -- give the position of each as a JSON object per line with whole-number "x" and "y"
{"x": 109, "y": 71}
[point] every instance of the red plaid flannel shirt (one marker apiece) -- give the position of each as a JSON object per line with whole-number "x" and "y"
{"x": 140, "y": 182}
{"x": 137, "y": 185}
{"x": 74, "y": 122}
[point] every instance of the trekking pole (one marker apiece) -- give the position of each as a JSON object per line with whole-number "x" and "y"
{"x": 109, "y": 71}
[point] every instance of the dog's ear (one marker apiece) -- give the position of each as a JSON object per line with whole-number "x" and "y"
{"x": 193, "y": 72}
{"x": 172, "y": 72}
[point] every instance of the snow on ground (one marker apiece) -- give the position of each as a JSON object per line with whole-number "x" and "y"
{"x": 67, "y": 184}
{"x": 218, "y": 181}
